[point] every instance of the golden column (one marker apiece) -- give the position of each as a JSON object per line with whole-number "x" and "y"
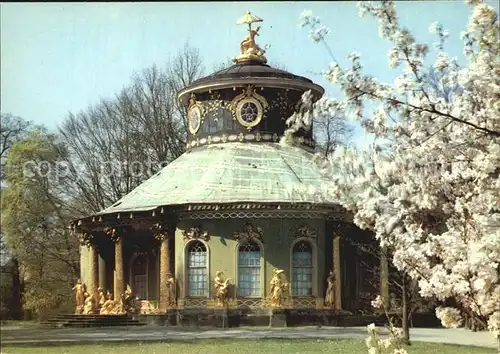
{"x": 93, "y": 270}
{"x": 86, "y": 240}
{"x": 119, "y": 285}
{"x": 337, "y": 268}
{"x": 160, "y": 232}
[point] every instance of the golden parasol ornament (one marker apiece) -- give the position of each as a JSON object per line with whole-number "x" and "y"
{"x": 248, "y": 18}
{"x": 250, "y": 51}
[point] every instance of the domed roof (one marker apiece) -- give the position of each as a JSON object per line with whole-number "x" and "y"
{"x": 250, "y": 69}
{"x": 236, "y": 117}
{"x": 228, "y": 173}
{"x": 250, "y": 72}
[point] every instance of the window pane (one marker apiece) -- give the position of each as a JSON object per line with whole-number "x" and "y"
{"x": 302, "y": 269}
{"x": 197, "y": 270}
{"x": 249, "y": 269}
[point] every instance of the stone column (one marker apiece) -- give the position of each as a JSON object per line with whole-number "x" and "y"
{"x": 93, "y": 270}
{"x": 384, "y": 277}
{"x": 337, "y": 270}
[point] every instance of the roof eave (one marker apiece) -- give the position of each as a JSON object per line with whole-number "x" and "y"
{"x": 268, "y": 82}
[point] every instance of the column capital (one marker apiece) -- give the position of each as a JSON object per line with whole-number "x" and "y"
{"x": 85, "y": 239}
{"x": 160, "y": 230}
{"x": 114, "y": 233}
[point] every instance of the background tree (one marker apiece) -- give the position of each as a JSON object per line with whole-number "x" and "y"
{"x": 331, "y": 127}
{"x": 35, "y": 215}
{"x": 186, "y": 67}
{"x": 120, "y": 142}
{"x": 12, "y": 129}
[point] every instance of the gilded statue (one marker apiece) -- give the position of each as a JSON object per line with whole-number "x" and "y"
{"x": 148, "y": 308}
{"x": 89, "y": 307}
{"x": 279, "y": 288}
{"x": 249, "y": 50}
{"x": 110, "y": 306}
{"x": 221, "y": 289}
{"x": 79, "y": 290}
{"x": 100, "y": 297}
{"x": 248, "y": 45}
{"x": 171, "y": 289}
{"x": 330, "y": 290}
{"x": 128, "y": 301}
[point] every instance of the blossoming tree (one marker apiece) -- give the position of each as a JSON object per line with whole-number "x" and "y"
{"x": 429, "y": 186}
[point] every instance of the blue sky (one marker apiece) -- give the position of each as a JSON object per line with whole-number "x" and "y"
{"x": 60, "y": 58}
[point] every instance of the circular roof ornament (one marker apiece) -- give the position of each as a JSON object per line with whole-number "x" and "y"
{"x": 194, "y": 115}
{"x": 249, "y": 107}
{"x": 249, "y": 112}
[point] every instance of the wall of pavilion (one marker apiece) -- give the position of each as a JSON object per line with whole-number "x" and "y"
{"x": 306, "y": 244}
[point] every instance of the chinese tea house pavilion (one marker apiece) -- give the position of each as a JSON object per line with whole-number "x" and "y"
{"x": 219, "y": 221}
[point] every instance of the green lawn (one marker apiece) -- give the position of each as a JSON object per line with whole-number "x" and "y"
{"x": 241, "y": 346}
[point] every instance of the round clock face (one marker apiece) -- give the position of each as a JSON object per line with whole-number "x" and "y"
{"x": 249, "y": 112}
{"x": 194, "y": 117}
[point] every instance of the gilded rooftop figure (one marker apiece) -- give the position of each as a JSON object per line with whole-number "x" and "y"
{"x": 249, "y": 50}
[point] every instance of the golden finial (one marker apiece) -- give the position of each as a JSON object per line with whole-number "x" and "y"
{"x": 250, "y": 51}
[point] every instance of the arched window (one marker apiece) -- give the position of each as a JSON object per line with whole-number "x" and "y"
{"x": 249, "y": 269}
{"x": 197, "y": 269}
{"x": 302, "y": 269}
{"x": 139, "y": 276}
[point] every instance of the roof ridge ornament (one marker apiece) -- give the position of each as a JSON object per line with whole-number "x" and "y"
{"x": 249, "y": 50}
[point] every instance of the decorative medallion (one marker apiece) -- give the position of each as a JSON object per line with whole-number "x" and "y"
{"x": 194, "y": 115}
{"x": 249, "y": 107}
{"x": 195, "y": 233}
{"x": 304, "y": 232}
{"x": 249, "y": 232}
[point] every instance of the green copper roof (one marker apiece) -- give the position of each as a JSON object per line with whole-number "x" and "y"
{"x": 227, "y": 173}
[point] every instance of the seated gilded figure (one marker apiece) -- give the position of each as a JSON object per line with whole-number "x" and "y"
{"x": 249, "y": 49}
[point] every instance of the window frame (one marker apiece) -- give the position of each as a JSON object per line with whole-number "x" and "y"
{"x": 313, "y": 267}
{"x": 262, "y": 273}
{"x": 187, "y": 247}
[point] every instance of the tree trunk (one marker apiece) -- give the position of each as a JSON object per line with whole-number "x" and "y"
{"x": 15, "y": 309}
{"x": 384, "y": 278}
{"x": 405, "y": 321}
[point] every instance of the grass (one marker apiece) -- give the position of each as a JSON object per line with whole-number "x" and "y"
{"x": 240, "y": 346}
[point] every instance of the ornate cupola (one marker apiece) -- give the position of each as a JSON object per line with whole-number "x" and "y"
{"x": 236, "y": 118}
{"x": 247, "y": 102}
